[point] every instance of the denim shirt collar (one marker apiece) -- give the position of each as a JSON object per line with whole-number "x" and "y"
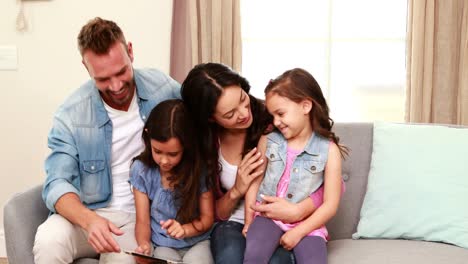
{"x": 101, "y": 113}
{"x": 312, "y": 147}
{"x": 142, "y": 91}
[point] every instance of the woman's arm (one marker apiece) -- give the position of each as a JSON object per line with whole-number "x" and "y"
{"x": 332, "y": 195}
{"x": 143, "y": 222}
{"x": 280, "y": 209}
{"x": 204, "y": 223}
{"x": 246, "y": 173}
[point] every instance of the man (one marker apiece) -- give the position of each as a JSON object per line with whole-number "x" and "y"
{"x": 95, "y": 135}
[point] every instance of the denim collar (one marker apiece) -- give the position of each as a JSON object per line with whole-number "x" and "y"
{"x": 312, "y": 147}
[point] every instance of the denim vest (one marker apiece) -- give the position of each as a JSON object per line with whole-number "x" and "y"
{"x": 306, "y": 171}
{"x": 81, "y": 137}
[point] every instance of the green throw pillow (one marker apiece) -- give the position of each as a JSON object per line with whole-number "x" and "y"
{"x": 418, "y": 184}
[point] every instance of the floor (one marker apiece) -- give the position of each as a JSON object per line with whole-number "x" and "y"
{"x": 3, "y": 261}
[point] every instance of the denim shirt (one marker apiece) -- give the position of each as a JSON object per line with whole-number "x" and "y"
{"x": 81, "y": 137}
{"x": 163, "y": 205}
{"x": 306, "y": 171}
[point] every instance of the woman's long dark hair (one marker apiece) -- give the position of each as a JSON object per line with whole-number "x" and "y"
{"x": 170, "y": 119}
{"x": 201, "y": 90}
{"x": 298, "y": 84}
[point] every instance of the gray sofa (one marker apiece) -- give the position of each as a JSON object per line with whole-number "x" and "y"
{"x": 25, "y": 211}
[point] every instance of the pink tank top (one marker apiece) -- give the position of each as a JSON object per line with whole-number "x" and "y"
{"x": 281, "y": 192}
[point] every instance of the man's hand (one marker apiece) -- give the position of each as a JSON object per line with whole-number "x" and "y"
{"x": 173, "y": 228}
{"x": 100, "y": 232}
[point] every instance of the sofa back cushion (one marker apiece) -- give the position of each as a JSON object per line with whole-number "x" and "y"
{"x": 358, "y": 138}
{"x": 418, "y": 184}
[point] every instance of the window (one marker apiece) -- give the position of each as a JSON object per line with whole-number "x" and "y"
{"x": 355, "y": 50}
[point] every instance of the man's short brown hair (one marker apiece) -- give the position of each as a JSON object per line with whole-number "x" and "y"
{"x": 98, "y": 35}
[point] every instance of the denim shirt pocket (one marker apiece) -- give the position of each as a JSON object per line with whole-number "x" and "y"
{"x": 310, "y": 178}
{"x": 314, "y": 167}
{"x": 275, "y": 163}
{"x": 92, "y": 182}
{"x": 273, "y": 172}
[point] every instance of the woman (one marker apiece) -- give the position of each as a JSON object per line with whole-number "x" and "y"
{"x": 229, "y": 124}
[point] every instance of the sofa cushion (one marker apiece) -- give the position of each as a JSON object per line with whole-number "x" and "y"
{"x": 418, "y": 184}
{"x": 367, "y": 251}
{"x": 355, "y": 168}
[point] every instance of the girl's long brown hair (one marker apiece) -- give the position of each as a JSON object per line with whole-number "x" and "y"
{"x": 298, "y": 84}
{"x": 170, "y": 119}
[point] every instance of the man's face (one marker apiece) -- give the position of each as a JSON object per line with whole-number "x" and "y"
{"x": 113, "y": 74}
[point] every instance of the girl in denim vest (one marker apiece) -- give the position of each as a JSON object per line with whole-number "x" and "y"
{"x": 174, "y": 209}
{"x": 302, "y": 155}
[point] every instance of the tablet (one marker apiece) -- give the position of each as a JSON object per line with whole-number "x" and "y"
{"x": 155, "y": 260}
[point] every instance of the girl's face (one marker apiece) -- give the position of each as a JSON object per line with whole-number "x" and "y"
{"x": 167, "y": 154}
{"x": 233, "y": 109}
{"x": 289, "y": 117}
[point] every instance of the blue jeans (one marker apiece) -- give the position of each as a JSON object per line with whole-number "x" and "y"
{"x": 228, "y": 245}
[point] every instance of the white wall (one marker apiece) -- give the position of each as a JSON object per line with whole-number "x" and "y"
{"x": 49, "y": 69}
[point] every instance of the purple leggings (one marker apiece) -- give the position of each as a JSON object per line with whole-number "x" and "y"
{"x": 263, "y": 238}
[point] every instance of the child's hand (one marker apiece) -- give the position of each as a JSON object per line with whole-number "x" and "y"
{"x": 145, "y": 249}
{"x": 290, "y": 239}
{"x": 245, "y": 229}
{"x": 173, "y": 228}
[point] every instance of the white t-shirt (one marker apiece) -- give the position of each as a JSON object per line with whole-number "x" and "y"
{"x": 126, "y": 144}
{"x": 227, "y": 179}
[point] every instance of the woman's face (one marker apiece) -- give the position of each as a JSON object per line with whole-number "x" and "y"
{"x": 233, "y": 109}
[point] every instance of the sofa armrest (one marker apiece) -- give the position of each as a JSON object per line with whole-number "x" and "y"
{"x": 22, "y": 214}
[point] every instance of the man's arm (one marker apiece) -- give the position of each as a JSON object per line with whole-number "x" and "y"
{"x": 99, "y": 229}
{"x": 62, "y": 164}
{"x": 59, "y": 194}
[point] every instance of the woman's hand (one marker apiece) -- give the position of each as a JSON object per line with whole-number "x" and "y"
{"x": 173, "y": 228}
{"x": 247, "y": 172}
{"x": 279, "y": 209}
{"x": 245, "y": 229}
